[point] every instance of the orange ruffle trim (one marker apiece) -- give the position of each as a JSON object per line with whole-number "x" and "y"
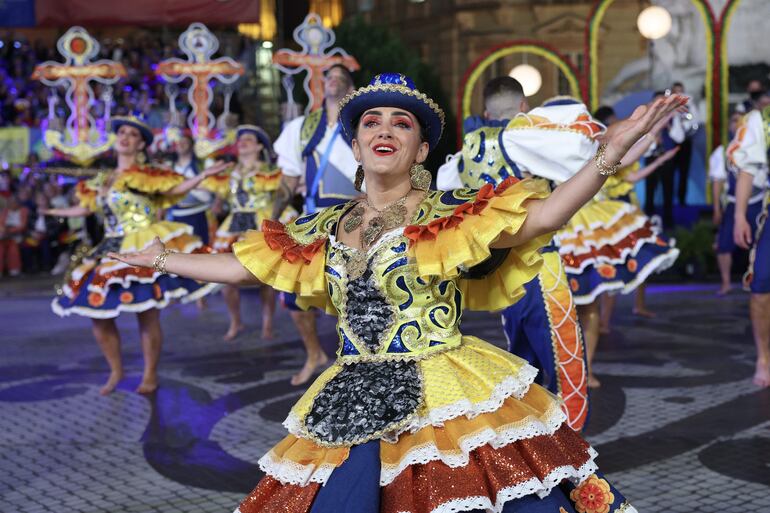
{"x": 429, "y": 231}
{"x": 291, "y": 250}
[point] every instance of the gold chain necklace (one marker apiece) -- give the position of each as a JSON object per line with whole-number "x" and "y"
{"x": 389, "y": 217}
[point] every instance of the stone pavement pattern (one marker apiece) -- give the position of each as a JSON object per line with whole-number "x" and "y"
{"x": 677, "y": 423}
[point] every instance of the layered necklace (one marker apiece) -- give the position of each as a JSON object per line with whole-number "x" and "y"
{"x": 387, "y": 218}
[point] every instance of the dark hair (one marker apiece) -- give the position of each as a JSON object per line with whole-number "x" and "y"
{"x": 604, "y": 113}
{"x": 344, "y": 70}
{"x": 679, "y": 84}
{"x": 658, "y": 93}
{"x": 502, "y": 85}
{"x": 756, "y": 95}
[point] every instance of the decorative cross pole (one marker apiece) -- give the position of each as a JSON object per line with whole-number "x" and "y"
{"x": 78, "y": 48}
{"x": 315, "y": 39}
{"x": 199, "y": 44}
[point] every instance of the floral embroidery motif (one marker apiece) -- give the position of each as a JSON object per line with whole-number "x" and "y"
{"x": 574, "y": 285}
{"x": 592, "y": 496}
{"x": 632, "y": 265}
{"x": 126, "y": 297}
{"x": 606, "y": 271}
{"x": 95, "y": 300}
{"x": 157, "y": 291}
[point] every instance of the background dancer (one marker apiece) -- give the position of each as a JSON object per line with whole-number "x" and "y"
{"x": 130, "y": 199}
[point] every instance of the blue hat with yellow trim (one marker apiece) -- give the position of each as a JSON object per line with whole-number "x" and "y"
{"x": 136, "y": 122}
{"x": 258, "y": 132}
{"x": 392, "y": 90}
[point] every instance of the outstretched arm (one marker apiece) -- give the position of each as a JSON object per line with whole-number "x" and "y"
{"x": 652, "y": 166}
{"x": 195, "y": 181}
{"x": 217, "y": 268}
{"x": 75, "y": 211}
{"x": 552, "y": 213}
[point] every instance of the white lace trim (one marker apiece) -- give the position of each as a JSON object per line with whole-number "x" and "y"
{"x": 512, "y": 386}
{"x": 534, "y": 485}
{"x": 625, "y": 254}
{"x": 504, "y": 435}
{"x": 613, "y": 239}
{"x": 290, "y": 472}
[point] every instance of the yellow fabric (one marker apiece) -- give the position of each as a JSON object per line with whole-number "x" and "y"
{"x": 86, "y": 192}
{"x": 270, "y": 267}
{"x": 218, "y": 184}
{"x": 166, "y": 231}
{"x": 617, "y": 185}
{"x": 470, "y": 373}
{"x": 305, "y": 452}
{"x": 467, "y": 244}
{"x": 594, "y": 215}
{"x": 152, "y": 181}
{"x": 598, "y": 237}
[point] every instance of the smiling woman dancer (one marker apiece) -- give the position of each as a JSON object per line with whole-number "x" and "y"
{"x": 414, "y": 416}
{"x": 129, "y": 199}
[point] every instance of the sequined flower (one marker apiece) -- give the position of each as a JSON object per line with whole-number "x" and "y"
{"x": 95, "y": 299}
{"x": 606, "y": 271}
{"x": 632, "y": 265}
{"x": 126, "y": 297}
{"x": 157, "y": 291}
{"x": 592, "y": 496}
{"x": 574, "y": 285}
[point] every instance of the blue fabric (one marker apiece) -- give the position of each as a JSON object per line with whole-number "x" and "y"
{"x": 472, "y": 123}
{"x": 354, "y": 486}
{"x": 528, "y": 331}
{"x": 760, "y": 282}
{"x": 199, "y": 223}
{"x": 725, "y": 241}
{"x": 289, "y": 301}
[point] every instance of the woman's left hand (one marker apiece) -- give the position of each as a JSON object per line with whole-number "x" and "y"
{"x": 144, "y": 258}
{"x": 624, "y": 134}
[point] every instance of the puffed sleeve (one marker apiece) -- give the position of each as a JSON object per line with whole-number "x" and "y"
{"x": 552, "y": 142}
{"x": 86, "y": 192}
{"x": 458, "y": 245}
{"x": 288, "y": 259}
{"x": 153, "y": 182}
{"x": 748, "y": 150}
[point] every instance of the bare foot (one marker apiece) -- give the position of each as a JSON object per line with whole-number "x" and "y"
{"x": 309, "y": 368}
{"x": 643, "y": 312}
{"x": 111, "y": 383}
{"x": 147, "y": 386}
{"x": 724, "y": 290}
{"x": 233, "y": 332}
{"x": 762, "y": 375}
{"x": 267, "y": 333}
{"x": 593, "y": 382}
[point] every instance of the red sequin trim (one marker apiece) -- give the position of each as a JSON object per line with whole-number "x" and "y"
{"x": 429, "y": 231}
{"x": 609, "y": 250}
{"x": 291, "y": 250}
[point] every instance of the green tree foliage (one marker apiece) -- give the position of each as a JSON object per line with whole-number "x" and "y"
{"x": 379, "y": 50}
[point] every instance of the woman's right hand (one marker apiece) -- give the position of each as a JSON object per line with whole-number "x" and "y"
{"x": 144, "y": 258}
{"x": 742, "y": 232}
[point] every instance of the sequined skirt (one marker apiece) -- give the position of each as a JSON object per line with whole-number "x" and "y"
{"x": 611, "y": 246}
{"x": 483, "y": 438}
{"x": 102, "y": 288}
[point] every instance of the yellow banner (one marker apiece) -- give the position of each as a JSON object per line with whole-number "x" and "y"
{"x": 14, "y": 145}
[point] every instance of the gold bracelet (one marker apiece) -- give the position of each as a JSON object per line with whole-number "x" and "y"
{"x": 604, "y": 168}
{"x": 159, "y": 264}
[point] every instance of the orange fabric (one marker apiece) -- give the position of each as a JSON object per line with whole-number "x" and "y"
{"x": 422, "y": 488}
{"x": 306, "y": 452}
{"x": 291, "y": 250}
{"x": 429, "y": 231}
{"x": 270, "y": 496}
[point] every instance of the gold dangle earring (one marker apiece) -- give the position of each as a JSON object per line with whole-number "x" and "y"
{"x": 141, "y": 158}
{"x": 420, "y": 177}
{"x": 359, "y": 178}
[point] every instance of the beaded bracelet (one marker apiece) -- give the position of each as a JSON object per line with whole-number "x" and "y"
{"x": 159, "y": 264}
{"x": 604, "y": 168}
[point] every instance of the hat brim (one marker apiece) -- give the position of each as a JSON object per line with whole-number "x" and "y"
{"x": 147, "y": 134}
{"x": 431, "y": 122}
{"x": 263, "y": 139}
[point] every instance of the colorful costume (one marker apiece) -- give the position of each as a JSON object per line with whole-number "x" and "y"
{"x": 749, "y": 153}
{"x": 542, "y": 327}
{"x": 414, "y": 416}
{"x": 721, "y": 170}
{"x": 192, "y": 208}
{"x": 250, "y": 194}
{"x": 102, "y": 288}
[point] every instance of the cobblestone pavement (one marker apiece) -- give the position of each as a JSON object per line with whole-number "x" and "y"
{"x": 677, "y": 422}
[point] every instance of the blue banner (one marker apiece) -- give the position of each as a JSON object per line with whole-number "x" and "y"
{"x": 17, "y": 13}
